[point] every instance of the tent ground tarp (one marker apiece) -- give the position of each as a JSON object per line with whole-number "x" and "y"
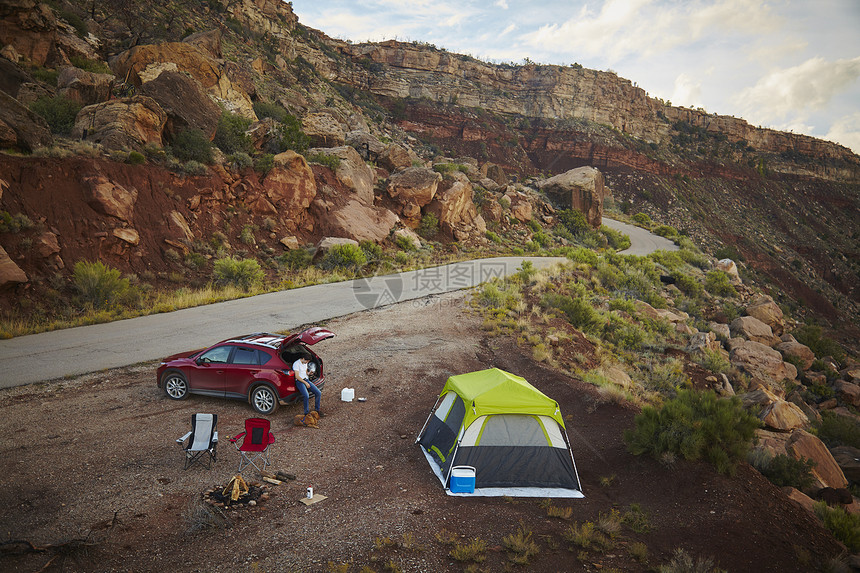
{"x": 510, "y": 432}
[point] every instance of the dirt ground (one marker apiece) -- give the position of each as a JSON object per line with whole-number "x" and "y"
{"x": 92, "y": 475}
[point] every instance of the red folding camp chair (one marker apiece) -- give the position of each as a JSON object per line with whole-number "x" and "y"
{"x": 254, "y": 446}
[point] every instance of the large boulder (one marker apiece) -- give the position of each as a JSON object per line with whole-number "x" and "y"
{"x": 84, "y": 87}
{"x": 776, "y": 413}
{"x": 494, "y": 172}
{"x": 185, "y": 102}
{"x": 367, "y": 144}
{"x": 21, "y": 127}
{"x": 110, "y": 198}
{"x": 826, "y": 472}
{"x": 352, "y": 172}
{"x": 10, "y": 273}
{"x": 799, "y": 351}
{"x": 290, "y": 187}
{"x": 767, "y": 311}
{"x": 729, "y": 267}
{"x": 754, "y": 329}
{"x": 323, "y": 129}
{"x": 762, "y": 363}
{"x": 358, "y": 221}
{"x": 848, "y": 459}
{"x": 212, "y": 73}
{"x": 413, "y": 188}
{"x": 122, "y": 124}
{"x": 395, "y": 157}
{"x": 454, "y": 207}
{"x": 847, "y": 392}
{"x": 582, "y": 189}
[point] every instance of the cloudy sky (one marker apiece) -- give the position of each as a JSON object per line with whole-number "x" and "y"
{"x": 788, "y": 65}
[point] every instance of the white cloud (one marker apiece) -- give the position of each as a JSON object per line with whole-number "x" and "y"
{"x": 846, "y": 131}
{"x": 647, "y": 27}
{"x": 688, "y": 92}
{"x": 790, "y": 91}
{"x": 502, "y": 4}
{"x": 510, "y": 28}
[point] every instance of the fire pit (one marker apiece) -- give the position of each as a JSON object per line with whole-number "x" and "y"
{"x": 236, "y": 494}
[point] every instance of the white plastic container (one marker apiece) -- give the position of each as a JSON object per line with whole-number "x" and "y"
{"x": 310, "y": 493}
{"x": 347, "y": 394}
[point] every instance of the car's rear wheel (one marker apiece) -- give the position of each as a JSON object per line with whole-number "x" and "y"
{"x": 264, "y": 400}
{"x": 175, "y": 385}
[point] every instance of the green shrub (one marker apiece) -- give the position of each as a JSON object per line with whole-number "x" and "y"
{"x": 582, "y": 255}
{"x": 695, "y": 425}
{"x": 714, "y": 361}
{"x": 347, "y": 256}
{"x": 290, "y": 135}
{"x": 241, "y": 160}
{"x": 58, "y": 111}
{"x": 541, "y": 239}
{"x": 835, "y": 430}
{"x": 330, "y": 161}
{"x": 718, "y": 283}
{"x": 194, "y": 168}
{"x": 577, "y": 310}
{"x": 80, "y": 27}
{"x": 445, "y": 168}
{"x": 574, "y": 221}
{"x": 429, "y": 226}
{"x": 642, "y": 219}
{"x": 45, "y": 75}
{"x": 231, "y": 136}
{"x": 98, "y": 284}
{"x": 13, "y": 223}
{"x": 616, "y": 239}
{"x": 275, "y": 111}
{"x": 783, "y": 470}
{"x": 844, "y": 526}
{"x": 136, "y": 158}
{"x": 822, "y": 346}
{"x": 405, "y": 243}
{"x": 494, "y": 237}
{"x": 687, "y": 284}
{"x": 296, "y": 259}
{"x": 372, "y": 251}
{"x": 242, "y": 273}
{"x": 191, "y": 144}
{"x": 666, "y": 231}
{"x": 264, "y": 163}
{"x": 683, "y": 562}
{"x": 94, "y": 66}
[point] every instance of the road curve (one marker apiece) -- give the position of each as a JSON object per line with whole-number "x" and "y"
{"x": 75, "y": 351}
{"x": 642, "y": 242}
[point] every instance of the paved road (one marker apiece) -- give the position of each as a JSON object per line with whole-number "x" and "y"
{"x": 642, "y": 242}
{"x": 75, "y": 351}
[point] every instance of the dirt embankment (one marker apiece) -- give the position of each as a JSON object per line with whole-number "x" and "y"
{"x": 96, "y": 455}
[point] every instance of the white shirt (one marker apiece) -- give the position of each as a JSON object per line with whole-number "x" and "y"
{"x": 301, "y": 369}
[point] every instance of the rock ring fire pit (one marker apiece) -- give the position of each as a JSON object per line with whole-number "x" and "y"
{"x": 236, "y": 494}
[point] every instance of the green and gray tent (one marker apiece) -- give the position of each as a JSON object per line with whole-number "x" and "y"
{"x": 507, "y": 430}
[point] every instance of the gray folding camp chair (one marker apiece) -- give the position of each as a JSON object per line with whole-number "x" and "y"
{"x": 201, "y": 443}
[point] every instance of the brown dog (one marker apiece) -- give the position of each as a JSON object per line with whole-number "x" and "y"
{"x": 309, "y": 420}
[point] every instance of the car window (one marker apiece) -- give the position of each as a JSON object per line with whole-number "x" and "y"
{"x": 264, "y": 356}
{"x": 217, "y": 354}
{"x": 246, "y": 356}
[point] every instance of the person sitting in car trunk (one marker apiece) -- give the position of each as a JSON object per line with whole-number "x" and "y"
{"x": 305, "y": 386}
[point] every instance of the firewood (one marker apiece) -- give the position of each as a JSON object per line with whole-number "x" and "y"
{"x": 284, "y": 475}
{"x": 272, "y": 480}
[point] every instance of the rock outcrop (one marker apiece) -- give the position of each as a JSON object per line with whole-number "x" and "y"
{"x": 10, "y": 273}
{"x": 122, "y": 124}
{"x": 20, "y": 127}
{"x": 762, "y": 363}
{"x": 413, "y": 188}
{"x": 185, "y": 102}
{"x": 453, "y": 206}
{"x": 582, "y": 189}
{"x": 85, "y": 88}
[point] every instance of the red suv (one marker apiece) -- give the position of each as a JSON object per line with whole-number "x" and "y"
{"x": 255, "y": 367}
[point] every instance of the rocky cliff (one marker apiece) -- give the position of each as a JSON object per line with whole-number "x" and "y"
{"x": 404, "y": 70}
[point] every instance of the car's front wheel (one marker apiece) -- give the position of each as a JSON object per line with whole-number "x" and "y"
{"x": 264, "y": 400}
{"x": 175, "y": 385}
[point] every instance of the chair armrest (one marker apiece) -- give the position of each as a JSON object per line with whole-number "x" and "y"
{"x": 183, "y": 438}
{"x": 215, "y": 437}
{"x": 235, "y": 438}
